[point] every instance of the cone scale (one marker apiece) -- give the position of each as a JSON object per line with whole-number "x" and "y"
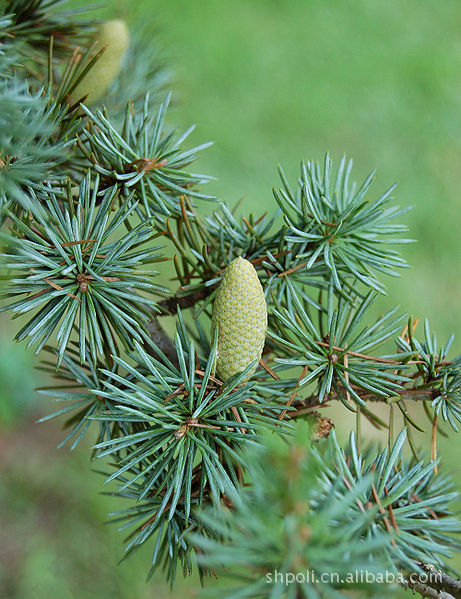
{"x": 240, "y": 316}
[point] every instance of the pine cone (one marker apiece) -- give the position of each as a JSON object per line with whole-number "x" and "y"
{"x": 240, "y": 314}
{"x": 114, "y": 35}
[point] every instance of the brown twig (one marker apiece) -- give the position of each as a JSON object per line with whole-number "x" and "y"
{"x": 343, "y": 350}
{"x": 162, "y": 340}
{"x": 434, "y": 443}
{"x": 391, "y": 514}
{"x": 170, "y": 305}
{"x": 238, "y": 418}
{"x": 443, "y": 582}
{"x": 383, "y": 512}
{"x": 293, "y": 395}
{"x": 59, "y": 288}
{"x": 291, "y": 270}
{"x": 267, "y": 368}
{"x": 425, "y": 590}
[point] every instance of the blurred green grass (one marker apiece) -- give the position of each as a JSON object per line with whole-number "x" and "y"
{"x": 270, "y": 81}
{"x": 276, "y": 82}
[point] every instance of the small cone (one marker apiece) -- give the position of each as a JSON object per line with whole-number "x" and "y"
{"x": 240, "y": 315}
{"x": 114, "y": 35}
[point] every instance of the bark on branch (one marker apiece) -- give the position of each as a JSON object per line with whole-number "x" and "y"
{"x": 444, "y": 582}
{"x": 162, "y": 340}
{"x": 437, "y": 586}
{"x": 170, "y": 305}
{"x": 312, "y": 401}
{"x": 426, "y": 591}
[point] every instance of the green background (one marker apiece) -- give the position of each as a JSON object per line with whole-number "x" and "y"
{"x": 269, "y": 81}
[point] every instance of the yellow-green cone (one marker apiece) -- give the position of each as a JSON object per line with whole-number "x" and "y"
{"x": 114, "y": 35}
{"x": 240, "y": 315}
